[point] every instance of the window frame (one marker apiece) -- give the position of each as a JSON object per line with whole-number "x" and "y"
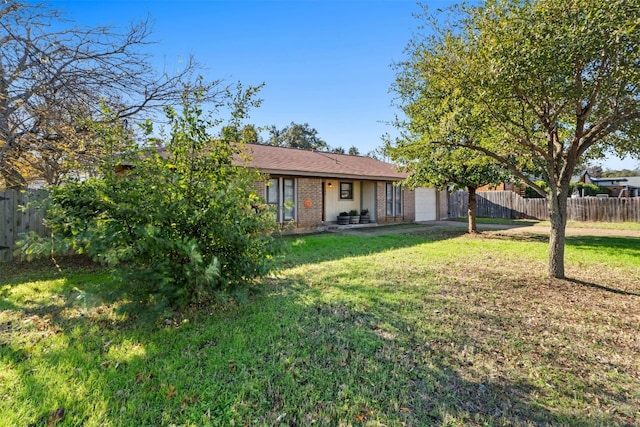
{"x": 285, "y": 194}
{"x": 289, "y": 212}
{"x": 348, "y": 191}
{"x": 393, "y": 200}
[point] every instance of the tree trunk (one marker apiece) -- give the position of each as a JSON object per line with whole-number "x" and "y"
{"x": 471, "y": 213}
{"x": 558, "y": 216}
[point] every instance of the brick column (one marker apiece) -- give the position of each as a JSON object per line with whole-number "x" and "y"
{"x": 309, "y": 202}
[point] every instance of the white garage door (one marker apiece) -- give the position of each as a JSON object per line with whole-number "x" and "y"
{"x": 426, "y": 206}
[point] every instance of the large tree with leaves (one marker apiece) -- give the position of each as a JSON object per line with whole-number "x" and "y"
{"x": 296, "y": 135}
{"x": 53, "y": 80}
{"x": 545, "y": 84}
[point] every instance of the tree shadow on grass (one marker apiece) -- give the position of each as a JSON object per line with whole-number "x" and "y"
{"x": 526, "y": 237}
{"x": 423, "y": 376}
{"x": 445, "y": 366}
{"x": 41, "y": 269}
{"x": 58, "y": 349}
{"x": 614, "y": 244}
{"x": 609, "y": 243}
{"x": 289, "y": 358}
{"x": 603, "y": 288}
{"x": 302, "y": 250}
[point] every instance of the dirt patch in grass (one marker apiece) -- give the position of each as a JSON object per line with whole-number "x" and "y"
{"x": 564, "y": 343}
{"x": 575, "y": 231}
{"x": 45, "y": 266}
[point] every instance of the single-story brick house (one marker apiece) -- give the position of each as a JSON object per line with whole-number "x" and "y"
{"x": 310, "y": 188}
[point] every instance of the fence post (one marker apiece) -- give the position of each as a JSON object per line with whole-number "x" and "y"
{"x": 6, "y": 225}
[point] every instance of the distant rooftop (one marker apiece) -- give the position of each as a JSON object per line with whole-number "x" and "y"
{"x": 631, "y": 181}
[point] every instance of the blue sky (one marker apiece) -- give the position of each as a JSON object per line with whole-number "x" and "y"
{"x": 327, "y": 63}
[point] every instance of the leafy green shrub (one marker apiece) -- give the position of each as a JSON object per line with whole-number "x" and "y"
{"x": 531, "y": 193}
{"x": 183, "y": 227}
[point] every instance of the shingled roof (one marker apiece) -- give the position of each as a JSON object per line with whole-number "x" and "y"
{"x": 292, "y": 161}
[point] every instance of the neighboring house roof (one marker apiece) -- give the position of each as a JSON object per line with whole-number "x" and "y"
{"x": 633, "y": 181}
{"x": 629, "y": 181}
{"x": 293, "y": 161}
{"x": 609, "y": 181}
{"x": 623, "y": 181}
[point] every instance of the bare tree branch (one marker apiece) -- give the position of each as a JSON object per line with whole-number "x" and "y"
{"x": 48, "y": 75}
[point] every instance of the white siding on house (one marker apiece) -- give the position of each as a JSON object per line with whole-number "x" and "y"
{"x": 369, "y": 198}
{"x": 426, "y": 204}
{"x": 334, "y": 205}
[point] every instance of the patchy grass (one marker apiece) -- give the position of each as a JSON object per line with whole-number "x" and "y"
{"x": 500, "y": 221}
{"x": 433, "y": 328}
{"x": 632, "y": 226}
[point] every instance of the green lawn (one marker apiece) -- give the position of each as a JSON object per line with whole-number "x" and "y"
{"x": 633, "y": 226}
{"x": 436, "y": 328}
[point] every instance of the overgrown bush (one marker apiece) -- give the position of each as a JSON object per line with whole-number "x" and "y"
{"x": 184, "y": 227}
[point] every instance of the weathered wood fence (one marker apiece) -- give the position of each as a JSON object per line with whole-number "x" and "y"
{"x": 18, "y": 214}
{"x": 509, "y": 205}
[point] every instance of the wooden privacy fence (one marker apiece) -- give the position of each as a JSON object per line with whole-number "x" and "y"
{"x": 18, "y": 214}
{"x": 509, "y": 205}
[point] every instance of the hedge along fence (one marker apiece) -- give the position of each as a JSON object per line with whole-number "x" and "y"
{"x": 18, "y": 214}
{"x": 509, "y": 205}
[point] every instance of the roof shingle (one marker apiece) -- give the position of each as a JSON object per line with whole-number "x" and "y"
{"x": 292, "y": 161}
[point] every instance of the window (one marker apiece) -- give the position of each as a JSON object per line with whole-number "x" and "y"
{"x": 272, "y": 191}
{"x": 289, "y": 205}
{"x": 281, "y": 194}
{"x": 346, "y": 191}
{"x": 394, "y": 200}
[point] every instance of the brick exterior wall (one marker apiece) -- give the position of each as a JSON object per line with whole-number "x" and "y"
{"x": 408, "y": 206}
{"x": 309, "y": 202}
{"x": 261, "y": 188}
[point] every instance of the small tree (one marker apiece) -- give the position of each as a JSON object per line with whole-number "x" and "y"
{"x": 186, "y": 225}
{"x": 296, "y": 136}
{"x": 441, "y": 166}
